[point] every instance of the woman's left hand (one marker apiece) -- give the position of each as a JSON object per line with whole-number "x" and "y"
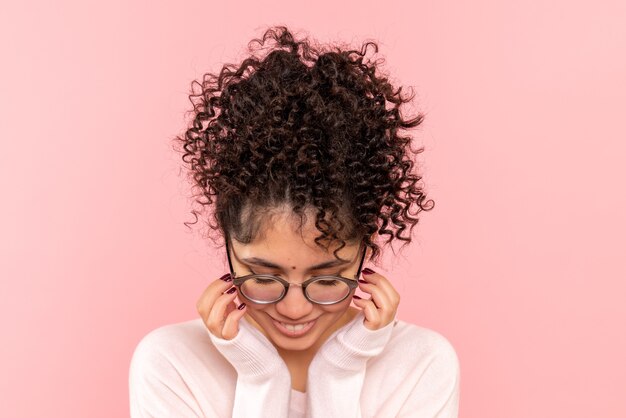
{"x": 380, "y": 309}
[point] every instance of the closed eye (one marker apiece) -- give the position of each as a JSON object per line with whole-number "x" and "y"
{"x": 337, "y": 273}
{"x": 329, "y": 282}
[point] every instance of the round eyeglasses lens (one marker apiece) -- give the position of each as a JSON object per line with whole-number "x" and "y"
{"x": 262, "y": 288}
{"x": 326, "y": 289}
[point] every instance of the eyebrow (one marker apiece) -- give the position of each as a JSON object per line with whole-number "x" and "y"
{"x": 261, "y": 262}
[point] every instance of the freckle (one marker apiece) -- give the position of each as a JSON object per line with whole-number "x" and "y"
{"x": 293, "y": 267}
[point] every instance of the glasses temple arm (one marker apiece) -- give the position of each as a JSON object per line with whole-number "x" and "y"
{"x": 230, "y": 265}
{"x": 358, "y": 272}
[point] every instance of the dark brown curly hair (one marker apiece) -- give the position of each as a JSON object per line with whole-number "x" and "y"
{"x": 305, "y": 128}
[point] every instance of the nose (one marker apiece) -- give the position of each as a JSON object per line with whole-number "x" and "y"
{"x": 294, "y": 305}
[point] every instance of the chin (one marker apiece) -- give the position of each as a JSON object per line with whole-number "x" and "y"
{"x": 287, "y": 343}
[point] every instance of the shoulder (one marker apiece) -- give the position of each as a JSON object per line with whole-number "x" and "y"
{"x": 422, "y": 343}
{"x": 415, "y": 353}
{"x": 193, "y": 330}
{"x": 425, "y": 352}
{"x": 176, "y": 371}
{"x": 417, "y": 374}
{"x": 167, "y": 339}
{"x": 182, "y": 346}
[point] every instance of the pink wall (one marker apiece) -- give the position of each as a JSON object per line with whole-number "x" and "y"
{"x": 520, "y": 265}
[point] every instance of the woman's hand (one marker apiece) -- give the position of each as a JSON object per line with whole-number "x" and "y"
{"x": 381, "y": 308}
{"x": 345, "y": 354}
{"x": 245, "y": 347}
{"x": 217, "y": 308}
{"x": 263, "y": 378}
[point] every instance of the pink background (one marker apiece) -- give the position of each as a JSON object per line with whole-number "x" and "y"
{"x": 520, "y": 265}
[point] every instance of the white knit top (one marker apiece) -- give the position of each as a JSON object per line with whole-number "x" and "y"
{"x": 402, "y": 370}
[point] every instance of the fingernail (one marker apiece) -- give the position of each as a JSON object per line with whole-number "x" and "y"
{"x": 231, "y": 290}
{"x": 368, "y": 271}
{"x": 357, "y": 297}
{"x": 362, "y": 281}
{"x": 240, "y": 307}
{"x": 226, "y": 277}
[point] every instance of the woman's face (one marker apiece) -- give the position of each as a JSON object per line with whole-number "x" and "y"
{"x": 295, "y": 253}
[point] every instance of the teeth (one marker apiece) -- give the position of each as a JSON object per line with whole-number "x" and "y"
{"x": 294, "y": 327}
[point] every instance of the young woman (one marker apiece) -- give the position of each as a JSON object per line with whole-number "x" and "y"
{"x": 305, "y": 169}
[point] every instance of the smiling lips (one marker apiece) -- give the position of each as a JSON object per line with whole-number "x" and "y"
{"x": 294, "y": 330}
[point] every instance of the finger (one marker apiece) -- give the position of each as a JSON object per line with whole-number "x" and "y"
{"x": 230, "y": 307}
{"x": 378, "y": 295}
{"x": 372, "y": 316}
{"x": 383, "y": 294}
{"x": 210, "y": 295}
{"x": 382, "y": 282}
{"x": 231, "y": 324}
{"x": 217, "y": 315}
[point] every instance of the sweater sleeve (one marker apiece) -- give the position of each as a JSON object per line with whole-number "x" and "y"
{"x": 263, "y": 379}
{"x": 336, "y": 374}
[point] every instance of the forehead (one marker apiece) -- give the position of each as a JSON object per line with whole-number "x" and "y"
{"x": 292, "y": 252}
{"x": 281, "y": 226}
{"x": 293, "y": 249}
{"x": 294, "y": 261}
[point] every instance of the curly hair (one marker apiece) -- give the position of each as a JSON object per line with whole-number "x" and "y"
{"x": 307, "y": 128}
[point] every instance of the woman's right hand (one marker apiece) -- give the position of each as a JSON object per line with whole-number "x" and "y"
{"x": 253, "y": 356}
{"x": 218, "y": 310}
{"x": 263, "y": 379}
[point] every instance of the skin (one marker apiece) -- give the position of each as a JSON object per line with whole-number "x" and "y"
{"x": 295, "y": 251}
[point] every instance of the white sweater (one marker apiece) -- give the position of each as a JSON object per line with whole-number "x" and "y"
{"x": 402, "y": 370}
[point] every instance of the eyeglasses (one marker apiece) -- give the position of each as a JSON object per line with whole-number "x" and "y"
{"x": 269, "y": 288}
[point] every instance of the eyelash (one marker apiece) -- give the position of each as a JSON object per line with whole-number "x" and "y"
{"x": 338, "y": 273}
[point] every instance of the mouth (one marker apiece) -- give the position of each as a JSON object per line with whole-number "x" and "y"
{"x": 294, "y": 330}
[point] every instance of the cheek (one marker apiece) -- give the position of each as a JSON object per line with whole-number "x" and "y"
{"x": 256, "y": 310}
{"x": 338, "y": 308}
